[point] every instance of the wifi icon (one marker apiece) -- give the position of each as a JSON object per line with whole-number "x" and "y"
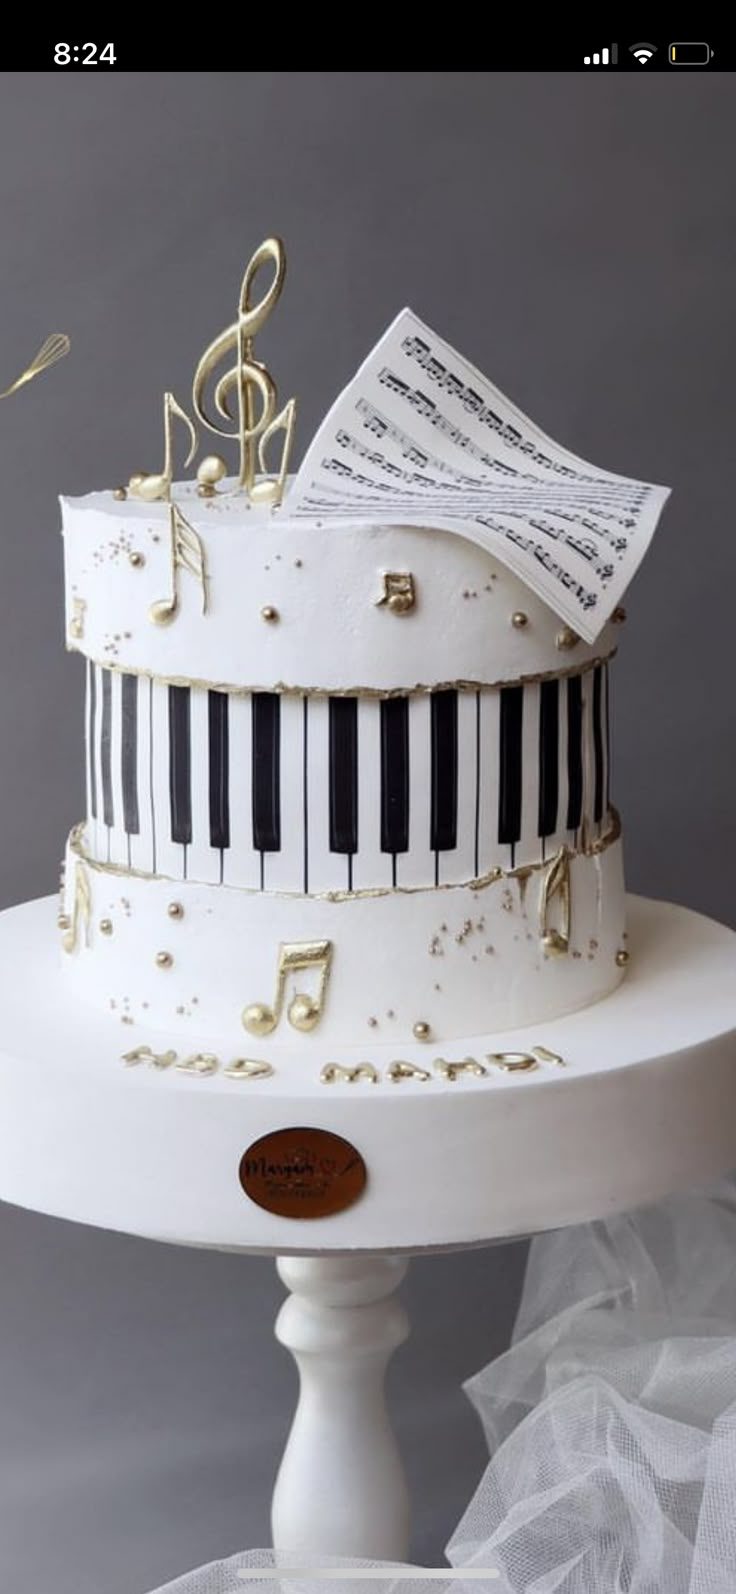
{"x": 643, "y": 52}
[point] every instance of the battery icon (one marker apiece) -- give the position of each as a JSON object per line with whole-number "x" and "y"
{"x": 689, "y": 54}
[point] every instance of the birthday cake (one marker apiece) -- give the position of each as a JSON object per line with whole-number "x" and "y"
{"x": 348, "y": 767}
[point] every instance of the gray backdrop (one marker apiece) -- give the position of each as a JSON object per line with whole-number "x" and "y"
{"x": 576, "y": 237}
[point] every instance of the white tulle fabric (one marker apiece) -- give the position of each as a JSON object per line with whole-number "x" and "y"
{"x": 611, "y": 1423}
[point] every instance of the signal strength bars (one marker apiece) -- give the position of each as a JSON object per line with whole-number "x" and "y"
{"x": 608, "y": 56}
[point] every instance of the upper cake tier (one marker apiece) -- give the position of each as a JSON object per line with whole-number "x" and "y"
{"x": 226, "y": 593}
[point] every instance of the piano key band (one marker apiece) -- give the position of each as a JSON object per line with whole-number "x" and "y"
{"x": 344, "y": 795}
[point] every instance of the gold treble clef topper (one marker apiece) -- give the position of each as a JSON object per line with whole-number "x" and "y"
{"x": 250, "y": 381}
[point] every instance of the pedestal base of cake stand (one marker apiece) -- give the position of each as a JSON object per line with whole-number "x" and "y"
{"x": 617, "y": 1106}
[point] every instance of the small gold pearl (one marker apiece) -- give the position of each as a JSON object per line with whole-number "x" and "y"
{"x": 619, "y": 614}
{"x": 622, "y": 958}
{"x": 519, "y": 620}
{"x": 64, "y": 921}
{"x": 175, "y": 910}
{"x": 422, "y": 1030}
{"x": 164, "y": 960}
{"x": 120, "y": 493}
{"x": 136, "y": 559}
{"x": 105, "y": 926}
{"x": 269, "y": 613}
{"x": 211, "y": 470}
{"x": 567, "y": 638}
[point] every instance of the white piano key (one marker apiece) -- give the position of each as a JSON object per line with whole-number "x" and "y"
{"x": 204, "y": 862}
{"x": 325, "y": 870}
{"x": 489, "y": 849}
{"x": 142, "y": 846}
{"x": 417, "y": 866}
{"x": 372, "y": 869}
{"x": 90, "y": 726}
{"x": 284, "y": 870}
{"x": 171, "y": 858}
{"x": 102, "y": 835}
{"x": 589, "y": 828}
{"x": 242, "y": 863}
{"x": 528, "y": 847}
{"x": 118, "y": 838}
{"x": 560, "y": 837}
{"x": 458, "y": 866}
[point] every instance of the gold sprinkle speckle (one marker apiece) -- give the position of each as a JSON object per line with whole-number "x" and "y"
{"x": 136, "y": 559}
{"x": 105, "y": 926}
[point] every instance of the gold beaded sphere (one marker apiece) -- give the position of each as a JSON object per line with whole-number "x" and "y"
{"x": 422, "y": 1031}
{"x": 619, "y": 614}
{"x": 268, "y": 613}
{"x": 164, "y": 960}
{"x": 120, "y": 493}
{"x": 175, "y": 910}
{"x": 567, "y": 638}
{"x": 211, "y": 470}
{"x": 519, "y": 620}
{"x": 136, "y": 559}
{"x": 105, "y": 926}
{"x": 258, "y": 1019}
{"x": 622, "y": 958}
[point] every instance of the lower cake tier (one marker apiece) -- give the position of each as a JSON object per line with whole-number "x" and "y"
{"x": 516, "y": 947}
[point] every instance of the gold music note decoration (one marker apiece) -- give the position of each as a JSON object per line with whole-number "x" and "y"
{"x": 454, "y": 1071}
{"x": 247, "y": 1068}
{"x": 400, "y": 1071}
{"x": 304, "y": 1012}
{"x": 250, "y": 382}
{"x": 187, "y": 553}
{"x": 54, "y": 348}
{"x": 81, "y": 913}
{"x": 153, "y": 487}
{"x": 513, "y": 1062}
{"x": 556, "y": 893}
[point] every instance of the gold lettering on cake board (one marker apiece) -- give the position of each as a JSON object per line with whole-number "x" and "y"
{"x": 360, "y": 1074}
{"x": 304, "y": 1012}
{"x": 250, "y": 382}
{"x": 400, "y": 1071}
{"x": 145, "y": 1054}
{"x": 454, "y": 1071}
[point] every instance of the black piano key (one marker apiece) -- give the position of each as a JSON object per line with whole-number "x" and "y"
{"x": 267, "y": 771}
{"x": 344, "y": 774}
{"x": 549, "y": 741}
{"x": 597, "y": 744}
{"x": 129, "y": 754}
{"x": 395, "y": 774}
{"x": 180, "y": 764}
{"x": 219, "y": 736}
{"x": 443, "y": 817}
{"x": 91, "y": 733}
{"x": 510, "y": 771}
{"x": 574, "y": 751}
{"x": 108, "y": 813}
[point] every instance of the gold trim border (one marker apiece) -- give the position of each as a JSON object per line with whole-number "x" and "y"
{"x": 286, "y": 689}
{"x": 589, "y": 849}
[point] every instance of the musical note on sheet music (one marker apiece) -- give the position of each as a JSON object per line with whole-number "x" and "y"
{"x": 249, "y": 382}
{"x": 420, "y": 437}
{"x": 555, "y": 894}
{"x": 187, "y": 553}
{"x": 304, "y": 1011}
{"x": 156, "y": 486}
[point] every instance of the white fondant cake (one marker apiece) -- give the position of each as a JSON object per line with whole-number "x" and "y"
{"x": 357, "y": 788}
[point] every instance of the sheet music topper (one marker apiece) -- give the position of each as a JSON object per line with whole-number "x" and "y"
{"x": 420, "y": 437}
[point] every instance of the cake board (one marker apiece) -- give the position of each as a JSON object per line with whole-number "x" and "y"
{"x": 628, "y": 1101}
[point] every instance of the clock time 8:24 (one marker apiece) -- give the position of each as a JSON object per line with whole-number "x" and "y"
{"x": 86, "y": 54}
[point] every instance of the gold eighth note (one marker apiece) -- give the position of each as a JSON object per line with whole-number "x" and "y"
{"x": 187, "y": 553}
{"x": 156, "y": 486}
{"x": 304, "y": 1011}
{"x": 249, "y": 379}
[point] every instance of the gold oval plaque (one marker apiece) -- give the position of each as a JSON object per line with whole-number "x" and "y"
{"x": 303, "y": 1173}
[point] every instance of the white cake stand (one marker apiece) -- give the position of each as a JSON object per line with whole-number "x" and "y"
{"x": 645, "y": 1103}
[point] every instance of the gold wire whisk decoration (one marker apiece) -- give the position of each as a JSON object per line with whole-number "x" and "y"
{"x": 54, "y": 348}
